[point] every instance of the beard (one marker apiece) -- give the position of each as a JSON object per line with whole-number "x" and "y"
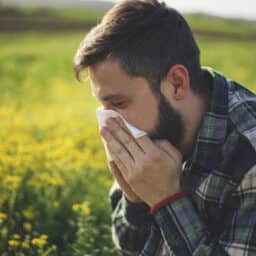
{"x": 169, "y": 124}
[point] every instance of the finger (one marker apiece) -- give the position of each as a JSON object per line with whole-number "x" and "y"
{"x": 120, "y": 166}
{"x": 169, "y": 149}
{"x": 124, "y": 186}
{"x": 146, "y": 144}
{"x": 117, "y": 150}
{"x": 117, "y": 172}
{"x": 126, "y": 139}
{"x": 122, "y": 124}
{"x": 118, "y": 175}
{"x": 119, "y": 163}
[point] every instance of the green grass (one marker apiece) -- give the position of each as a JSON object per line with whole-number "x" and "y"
{"x": 215, "y": 24}
{"x": 43, "y": 57}
{"x": 233, "y": 58}
{"x": 62, "y": 14}
{"x": 197, "y": 21}
{"x": 38, "y": 58}
{"x": 52, "y": 162}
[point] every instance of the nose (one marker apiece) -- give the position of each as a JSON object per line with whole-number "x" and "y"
{"x": 111, "y": 108}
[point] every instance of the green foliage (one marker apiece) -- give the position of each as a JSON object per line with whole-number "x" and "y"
{"x": 201, "y": 22}
{"x": 233, "y": 58}
{"x": 62, "y": 14}
{"x": 198, "y": 21}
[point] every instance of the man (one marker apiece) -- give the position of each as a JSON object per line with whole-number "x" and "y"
{"x": 189, "y": 186}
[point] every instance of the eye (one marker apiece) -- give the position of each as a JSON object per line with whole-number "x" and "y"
{"x": 119, "y": 104}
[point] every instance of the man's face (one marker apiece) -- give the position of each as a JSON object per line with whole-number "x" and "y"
{"x": 133, "y": 98}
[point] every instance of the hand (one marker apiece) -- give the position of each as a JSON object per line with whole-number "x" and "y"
{"x": 152, "y": 170}
{"x": 128, "y": 192}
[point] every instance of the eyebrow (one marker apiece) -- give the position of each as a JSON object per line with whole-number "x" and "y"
{"x": 112, "y": 97}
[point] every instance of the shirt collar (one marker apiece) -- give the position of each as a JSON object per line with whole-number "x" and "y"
{"x": 207, "y": 151}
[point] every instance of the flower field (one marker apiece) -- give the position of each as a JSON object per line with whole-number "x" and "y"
{"x": 53, "y": 176}
{"x": 54, "y": 180}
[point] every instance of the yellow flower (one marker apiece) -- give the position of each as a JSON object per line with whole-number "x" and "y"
{"x": 45, "y": 177}
{"x": 44, "y": 237}
{"x": 16, "y": 236}
{"x": 40, "y": 242}
{"x": 25, "y": 244}
{"x": 12, "y": 180}
{"x": 4, "y": 232}
{"x": 3, "y": 216}
{"x": 52, "y": 180}
{"x": 27, "y": 226}
{"x": 106, "y": 182}
{"x": 13, "y": 243}
{"x": 76, "y": 207}
{"x": 56, "y": 204}
{"x": 57, "y": 181}
{"x": 85, "y": 207}
{"x": 28, "y": 213}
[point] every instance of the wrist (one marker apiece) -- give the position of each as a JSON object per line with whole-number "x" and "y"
{"x": 166, "y": 201}
{"x": 133, "y": 200}
{"x": 162, "y": 195}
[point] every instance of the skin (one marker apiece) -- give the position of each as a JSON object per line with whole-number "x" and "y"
{"x": 146, "y": 170}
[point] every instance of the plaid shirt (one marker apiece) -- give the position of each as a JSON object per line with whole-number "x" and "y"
{"x": 218, "y": 216}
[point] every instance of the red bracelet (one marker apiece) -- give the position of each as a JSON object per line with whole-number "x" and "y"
{"x": 166, "y": 201}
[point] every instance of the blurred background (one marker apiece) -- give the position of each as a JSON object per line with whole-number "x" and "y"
{"x": 54, "y": 180}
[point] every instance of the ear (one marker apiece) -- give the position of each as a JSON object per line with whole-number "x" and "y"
{"x": 176, "y": 83}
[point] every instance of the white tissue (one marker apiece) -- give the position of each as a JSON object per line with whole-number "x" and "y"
{"x": 104, "y": 114}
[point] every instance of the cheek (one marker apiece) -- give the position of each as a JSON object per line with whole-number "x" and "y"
{"x": 143, "y": 116}
{"x": 149, "y": 119}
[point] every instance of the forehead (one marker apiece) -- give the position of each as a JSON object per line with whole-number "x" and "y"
{"x": 108, "y": 77}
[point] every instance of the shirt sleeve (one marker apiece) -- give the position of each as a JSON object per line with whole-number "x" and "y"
{"x": 186, "y": 234}
{"x": 132, "y": 225}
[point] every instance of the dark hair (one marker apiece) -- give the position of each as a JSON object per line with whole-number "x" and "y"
{"x": 147, "y": 38}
